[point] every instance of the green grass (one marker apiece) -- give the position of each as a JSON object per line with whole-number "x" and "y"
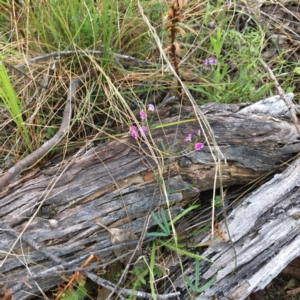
{"x": 12, "y": 103}
{"x": 111, "y": 99}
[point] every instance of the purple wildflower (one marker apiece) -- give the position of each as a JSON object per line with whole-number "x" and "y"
{"x": 150, "y": 107}
{"x": 199, "y": 146}
{"x": 209, "y": 62}
{"x": 188, "y": 138}
{"x": 133, "y": 132}
{"x": 143, "y": 130}
{"x": 143, "y": 115}
{"x": 198, "y": 132}
{"x": 147, "y": 251}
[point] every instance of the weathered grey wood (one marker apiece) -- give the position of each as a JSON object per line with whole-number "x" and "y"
{"x": 110, "y": 184}
{"x": 264, "y": 229}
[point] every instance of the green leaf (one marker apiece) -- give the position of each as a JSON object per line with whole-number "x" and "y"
{"x": 178, "y": 217}
{"x": 172, "y": 146}
{"x": 194, "y": 287}
{"x": 180, "y": 245}
{"x": 136, "y": 271}
{"x": 190, "y": 284}
{"x": 12, "y": 103}
{"x": 81, "y": 291}
{"x": 142, "y": 280}
{"x": 152, "y": 274}
{"x": 157, "y": 272}
{"x": 297, "y": 70}
{"x": 156, "y": 234}
{"x": 163, "y": 146}
{"x": 157, "y": 221}
{"x": 158, "y": 179}
{"x": 196, "y": 232}
{"x": 217, "y": 202}
{"x": 142, "y": 276}
{"x": 197, "y": 270}
{"x": 163, "y": 215}
{"x": 183, "y": 252}
{"x": 207, "y": 284}
{"x": 50, "y": 133}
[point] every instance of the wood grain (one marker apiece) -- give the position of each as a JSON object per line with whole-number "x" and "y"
{"x": 107, "y": 184}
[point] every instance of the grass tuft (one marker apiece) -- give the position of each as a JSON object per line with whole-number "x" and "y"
{"x": 11, "y": 102}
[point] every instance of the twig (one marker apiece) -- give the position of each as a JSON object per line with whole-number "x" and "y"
{"x": 32, "y": 243}
{"x": 25, "y": 75}
{"x": 91, "y": 52}
{"x": 74, "y": 85}
{"x": 102, "y": 282}
{"x": 65, "y": 267}
{"x": 128, "y": 292}
{"x": 133, "y": 255}
{"x": 281, "y": 93}
{"x": 64, "y": 127}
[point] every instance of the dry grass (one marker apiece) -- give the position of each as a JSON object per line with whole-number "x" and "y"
{"x": 109, "y": 102}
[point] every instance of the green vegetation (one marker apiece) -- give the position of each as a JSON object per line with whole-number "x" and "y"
{"x": 12, "y": 103}
{"x": 216, "y": 59}
{"x": 117, "y": 27}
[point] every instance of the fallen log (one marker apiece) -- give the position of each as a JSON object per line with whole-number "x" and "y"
{"x": 264, "y": 229}
{"x": 264, "y": 239}
{"x": 116, "y": 184}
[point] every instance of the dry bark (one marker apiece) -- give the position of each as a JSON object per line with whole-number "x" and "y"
{"x": 113, "y": 185}
{"x": 264, "y": 231}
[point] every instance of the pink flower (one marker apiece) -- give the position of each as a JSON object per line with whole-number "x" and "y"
{"x": 143, "y": 115}
{"x": 199, "y": 146}
{"x": 143, "y": 130}
{"x": 188, "y": 138}
{"x": 150, "y": 107}
{"x": 197, "y": 190}
{"x": 133, "y": 132}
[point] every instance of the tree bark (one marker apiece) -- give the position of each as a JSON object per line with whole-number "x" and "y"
{"x": 264, "y": 239}
{"x": 264, "y": 229}
{"x": 115, "y": 184}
